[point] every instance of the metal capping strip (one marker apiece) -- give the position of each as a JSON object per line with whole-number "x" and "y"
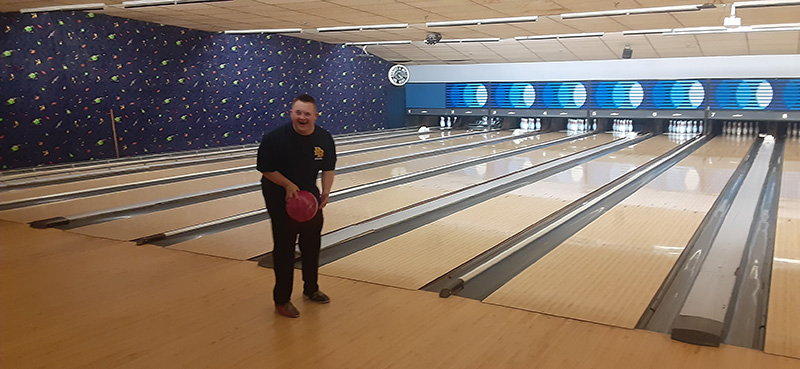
{"x": 748, "y": 320}
{"x": 127, "y": 160}
{"x": 705, "y": 313}
{"x": 74, "y": 177}
{"x": 127, "y": 186}
{"x": 262, "y": 214}
{"x": 164, "y": 235}
{"x": 35, "y": 171}
{"x": 372, "y": 138}
{"x": 384, "y": 183}
{"x": 420, "y": 142}
{"x": 61, "y": 221}
{"x": 21, "y": 203}
{"x": 146, "y": 167}
{"x": 550, "y": 223}
{"x": 124, "y": 211}
{"x": 469, "y": 195}
{"x": 667, "y": 301}
{"x": 439, "y": 151}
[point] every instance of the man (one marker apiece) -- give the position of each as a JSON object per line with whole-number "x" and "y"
{"x": 290, "y": 157}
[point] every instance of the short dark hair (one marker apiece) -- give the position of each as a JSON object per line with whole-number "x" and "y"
{"x": 306, "y": 98}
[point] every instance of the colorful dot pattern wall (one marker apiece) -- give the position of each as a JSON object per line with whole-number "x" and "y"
{"x": 65, "y": 76}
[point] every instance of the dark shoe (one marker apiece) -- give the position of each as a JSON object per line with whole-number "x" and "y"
{"x": 288, "y": 310}
{"x": 318, "y": 297}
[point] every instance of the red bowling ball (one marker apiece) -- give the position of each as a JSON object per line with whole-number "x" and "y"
{"x": 302, "y": 207}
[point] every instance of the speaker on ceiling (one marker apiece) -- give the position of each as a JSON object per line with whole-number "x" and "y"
{"x": 627, "y": 52}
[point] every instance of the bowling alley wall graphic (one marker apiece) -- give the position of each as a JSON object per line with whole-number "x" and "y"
{"x": 726, "y": 94}
{"x": 169, "y": 89}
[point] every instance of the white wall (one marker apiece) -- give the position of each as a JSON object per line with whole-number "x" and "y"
{"x": 748, "y": 66}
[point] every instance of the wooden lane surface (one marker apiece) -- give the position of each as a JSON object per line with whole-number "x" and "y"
{"x": 124, "y": 198}
{"x": 134, "y": 196}
{"x": 25, "y": 193}
{"x": 72, "y": 301}
{"x": 783, "y": 318}
{"x": 102, "y": 166}
{"x": 166, "y": 220}
{"x": 432, "y": 143}
{"x": 169, "y": 172}
{"x": 397, "y": 169}
{"x": 417, "y": 257}
{"x": 392, "y": 140}
{"x": 610, "y": 270}
{"x": 256, "y": 239}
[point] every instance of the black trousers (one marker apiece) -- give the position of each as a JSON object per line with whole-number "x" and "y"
{"x": 285, "y": 234}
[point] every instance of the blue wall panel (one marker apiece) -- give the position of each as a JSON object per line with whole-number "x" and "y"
{"x": 425, "y": 95}
{"x": 171, "y": 89}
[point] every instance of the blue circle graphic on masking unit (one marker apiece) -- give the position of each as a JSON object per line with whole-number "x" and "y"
{"x": 522, "y": 95}
{"x": 744, "y": 94}
{"x": 791, "y": 95}
{"x": 619, "y": 95}
{"x": 678, "y": 94}
{"x": 467, "y": 95}
{"x": 565, "y": 95}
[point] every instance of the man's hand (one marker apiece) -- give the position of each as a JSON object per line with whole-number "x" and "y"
{"x": 324, "y": 200}
{"x": 291, "y": 190}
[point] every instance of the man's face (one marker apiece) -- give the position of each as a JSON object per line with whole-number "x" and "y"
{"x": 304, "y": 114}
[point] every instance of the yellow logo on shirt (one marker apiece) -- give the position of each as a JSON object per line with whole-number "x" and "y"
{"x": 318, "y": 152}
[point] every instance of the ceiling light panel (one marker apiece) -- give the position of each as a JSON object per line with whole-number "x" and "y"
{"x": 619, "y": 12}
{"x": 560, "y": 36}
{"x": 478, "y": 22}
{"x": 362, "y": 28}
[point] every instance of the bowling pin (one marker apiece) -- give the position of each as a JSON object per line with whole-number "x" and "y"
{"x": 441, "y": 122}
{"x": 538, "y": 124}
{"x": 523, "y": 124}
{"x": 449, "y": 123}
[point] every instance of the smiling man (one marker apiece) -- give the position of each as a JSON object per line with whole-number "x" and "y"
{"x": 289, "y": 158}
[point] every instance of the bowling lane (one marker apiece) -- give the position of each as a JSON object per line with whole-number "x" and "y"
{"x": 610, "y": 270}
{"x": 415, "y": 258}
{"x": 256, "y": 239}
{"x": 113, "y": 164}
{"x": 783, "y": 318}
{"x": 150, "y": 193}
{"x": 63, "y": 170}
{"x": 409, "y": 166}
{"x": 147, "y": 224}
{"x": 125, "y": 198}
{"x": 433, "y": 142}
{"x": 394, "y": 140}
{"x": 169, "y": 172}
{"x": 34, "y": 192}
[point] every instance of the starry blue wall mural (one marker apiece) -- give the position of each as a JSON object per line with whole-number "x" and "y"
{"x": 63, "y": 76}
